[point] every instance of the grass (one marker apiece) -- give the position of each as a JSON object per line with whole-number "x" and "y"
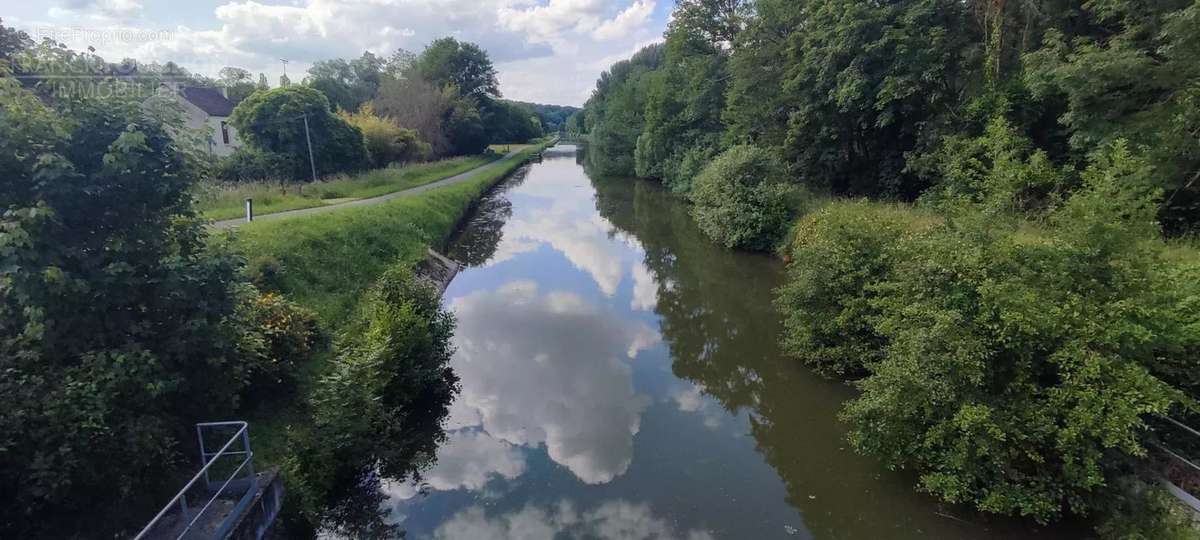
{"x": 505, "y": 148}
{"x": 326, "y": 262}
{"x": 222, "y": 200}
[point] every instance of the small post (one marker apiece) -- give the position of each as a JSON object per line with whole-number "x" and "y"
{"x": 311, "y": 162}
{"x": 249, "y": 209}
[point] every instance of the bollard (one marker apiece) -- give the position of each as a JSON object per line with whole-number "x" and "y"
{"x": 249, "y": 209}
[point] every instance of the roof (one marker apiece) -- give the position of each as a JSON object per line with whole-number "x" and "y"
{"x": 208, "y": 100}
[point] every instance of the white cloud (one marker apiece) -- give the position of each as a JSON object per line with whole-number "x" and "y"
{"x": 626, "y": 22}
{"x": 549, "y": 51}
{"x": 550, "y": 368}
{"x": 613, "y": 520}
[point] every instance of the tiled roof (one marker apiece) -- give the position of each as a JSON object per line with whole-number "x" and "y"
{"x": 208, "y": 100}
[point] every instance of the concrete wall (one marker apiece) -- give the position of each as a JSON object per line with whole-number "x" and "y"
{"x": 257, "y": 520}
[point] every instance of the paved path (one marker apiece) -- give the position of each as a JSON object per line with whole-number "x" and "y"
{"x": 458, "y": 178}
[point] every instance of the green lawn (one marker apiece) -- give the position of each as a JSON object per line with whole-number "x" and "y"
{"x": 221, "y": 200}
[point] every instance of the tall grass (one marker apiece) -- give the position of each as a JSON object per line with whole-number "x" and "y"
{"x": 224, "y": 200}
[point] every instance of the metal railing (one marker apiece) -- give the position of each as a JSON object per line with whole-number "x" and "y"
{"x": 178, "y": 520}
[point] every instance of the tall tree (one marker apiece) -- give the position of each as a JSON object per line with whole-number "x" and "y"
{"x": 464, "y": 65}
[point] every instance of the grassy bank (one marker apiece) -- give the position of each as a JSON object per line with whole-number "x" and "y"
{"x": 326, "y": 262}
{"x": 219, "y": 200}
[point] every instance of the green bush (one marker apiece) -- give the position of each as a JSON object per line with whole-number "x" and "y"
{"x": 740, "y": 200}
{"x": 838, "y": 255}
{"x": 290, "y": 335}
{"x": 274, "y": 120}
{"x": 1020, "y": 360}
{"x": 248, "y": 164}
{"x": 118, "y": 326}
{"x": 386, "y": 395}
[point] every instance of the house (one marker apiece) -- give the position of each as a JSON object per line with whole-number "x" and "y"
{"x": 208, "y": 110}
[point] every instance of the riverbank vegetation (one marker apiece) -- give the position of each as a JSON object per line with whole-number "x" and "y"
{"x": 377, "y": 393}
{"x": 976, "y": 200}
{"x": 124, "y": 321}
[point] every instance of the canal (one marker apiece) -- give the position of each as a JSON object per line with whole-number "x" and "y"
{"x": 620, "y": 378}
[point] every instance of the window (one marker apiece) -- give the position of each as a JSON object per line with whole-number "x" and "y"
{"x": 224, "y": 132}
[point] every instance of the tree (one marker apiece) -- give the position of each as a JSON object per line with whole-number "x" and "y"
{"x": 386, "y": 141}
{"x": 120, "y": 323}
{"x": 1131, "y": 74}
{"x": 861, "y": 87}
{"x": 685, "y": 99}
{"x": 275, "y": 121}
{"x": 347, "y": 84}
{"x": 446, "y": 61}
{"x": 509, "y": 122}
{"x": 465, "y": 128}
{"x": 12, "y": 42}
{"x": 237, "y": 83}
{"x": 419, "y": 105}
{"x": 615, "y": 113}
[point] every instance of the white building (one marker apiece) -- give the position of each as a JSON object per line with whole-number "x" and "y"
{"x": 208, "y": 109}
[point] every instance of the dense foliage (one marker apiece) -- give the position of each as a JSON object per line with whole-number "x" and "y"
{"x": 386, "y": 141}
{"x": 1016, "y": 332}
{"x": 839, "y": 256}
{"x": 741, "y": 200}
{"x": 287, "y": 120}
{"x": 552, "y": 117}
{"x": 379, "y": 410}
{"x": 119, "y": 325}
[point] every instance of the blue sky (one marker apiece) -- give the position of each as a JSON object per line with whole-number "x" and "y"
{"x": 548, "y": 51}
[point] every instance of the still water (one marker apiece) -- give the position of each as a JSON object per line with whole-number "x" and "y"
{"x": 620, "y": 378}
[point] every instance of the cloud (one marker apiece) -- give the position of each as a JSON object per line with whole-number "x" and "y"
{"x": 614, "y": 520}
{"x": 550, "y": 368}
{"x": 549, "y": 51}
{"x": 571, "y": 226}
{"x": 645, "y": 289}
{"x": 626, "y": 22}
{"x": 98, "y": 9}
{"x": 467, "y": 460}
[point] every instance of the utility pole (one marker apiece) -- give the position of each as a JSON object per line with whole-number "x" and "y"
{"x": 311, "y": 162}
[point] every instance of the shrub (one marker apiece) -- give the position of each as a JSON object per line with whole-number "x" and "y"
{"x": 1019, "y": 364}
{"x": 248, "y": 163}
{"x": 273, "y": 120}
{"x": 290, "y": 335}
{"x": 740, "y": 201}
{"x": 118, "y": 325}
{"x": 387, "y": 393}
{"x": 839, "y": 254}
{"x": 386, "y": 141}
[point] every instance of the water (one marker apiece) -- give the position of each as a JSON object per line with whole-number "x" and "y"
{"x": 621, "y": 378}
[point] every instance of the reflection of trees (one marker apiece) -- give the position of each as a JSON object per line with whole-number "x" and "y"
{"x": 718, "y": 320}
{"x": 354, "y": 505}
{"x": 716, "y": 308}
{"x": 476, "y": 243}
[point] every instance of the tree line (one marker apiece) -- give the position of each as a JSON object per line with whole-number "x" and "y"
{"x": 985, "y": 207}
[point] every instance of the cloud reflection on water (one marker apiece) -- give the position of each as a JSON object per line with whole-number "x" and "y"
{"x": 550, "y": 368}
{"x": 615, "y": 519}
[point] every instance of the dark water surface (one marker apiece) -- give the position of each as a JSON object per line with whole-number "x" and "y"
{"x": 621, "y": 379}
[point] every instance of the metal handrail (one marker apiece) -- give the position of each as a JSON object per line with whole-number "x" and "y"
{"x": 208, "y": 459}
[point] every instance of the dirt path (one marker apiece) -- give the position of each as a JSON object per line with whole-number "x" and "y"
{"x": 461, "y": 177}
